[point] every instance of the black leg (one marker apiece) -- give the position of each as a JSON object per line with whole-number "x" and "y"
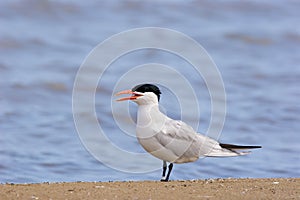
{"x": 169, "y": 172}
{"x": 166, "y": 178}
{"x": 164, "y": 171}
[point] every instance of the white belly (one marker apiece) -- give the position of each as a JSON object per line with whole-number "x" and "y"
{"x": 174, "y": 151}
{"x": 152, "y": 135}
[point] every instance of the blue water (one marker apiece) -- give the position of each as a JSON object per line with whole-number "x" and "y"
{"x": 255, "y": 44}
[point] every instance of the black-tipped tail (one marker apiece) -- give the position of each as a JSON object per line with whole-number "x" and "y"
{"x": 237, "y": 147}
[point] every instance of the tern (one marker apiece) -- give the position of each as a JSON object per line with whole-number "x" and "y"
{"x": 172, "y": 141}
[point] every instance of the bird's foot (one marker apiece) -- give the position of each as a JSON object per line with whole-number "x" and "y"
{"x": 164, "y": 179}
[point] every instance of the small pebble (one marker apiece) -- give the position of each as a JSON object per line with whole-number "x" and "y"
{"x": 99, "y": 186}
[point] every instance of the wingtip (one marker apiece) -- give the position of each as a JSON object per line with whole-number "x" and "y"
{"x": 237, "y": 147}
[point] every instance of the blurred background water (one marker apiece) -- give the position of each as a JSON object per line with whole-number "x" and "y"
{"x": 255, "y": 44}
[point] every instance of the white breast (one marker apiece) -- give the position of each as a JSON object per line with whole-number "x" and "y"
{"x": 165, "y": 138}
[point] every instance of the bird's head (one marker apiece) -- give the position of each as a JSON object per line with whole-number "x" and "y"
{"x": 142, "y": 94}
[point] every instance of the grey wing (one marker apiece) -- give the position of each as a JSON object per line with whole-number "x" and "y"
{"x": 189, "y": 145}
{"x": 181, "y": 139}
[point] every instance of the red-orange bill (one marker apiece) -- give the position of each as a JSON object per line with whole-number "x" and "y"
{"x": 133, "y": 97}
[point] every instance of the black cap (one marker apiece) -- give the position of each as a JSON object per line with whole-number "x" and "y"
{"x": 147, "y": 88}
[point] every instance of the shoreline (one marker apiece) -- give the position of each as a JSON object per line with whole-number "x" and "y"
{"x": 231, "y": 188}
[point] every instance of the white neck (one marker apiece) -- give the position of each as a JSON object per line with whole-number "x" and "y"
{"x": 146, "y": 114}
{"x": 150, "y": 119}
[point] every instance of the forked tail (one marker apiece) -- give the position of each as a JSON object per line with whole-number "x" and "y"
{"x": 225, "y": 150}
{"x": 237, "y": 147}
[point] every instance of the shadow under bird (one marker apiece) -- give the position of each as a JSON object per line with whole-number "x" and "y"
{"x": 171, "y": 140}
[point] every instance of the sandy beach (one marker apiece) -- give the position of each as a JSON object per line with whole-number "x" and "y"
{"x": 272, "y": 188}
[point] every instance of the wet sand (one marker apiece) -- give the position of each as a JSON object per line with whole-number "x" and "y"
{"x": 273, "y": 188}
